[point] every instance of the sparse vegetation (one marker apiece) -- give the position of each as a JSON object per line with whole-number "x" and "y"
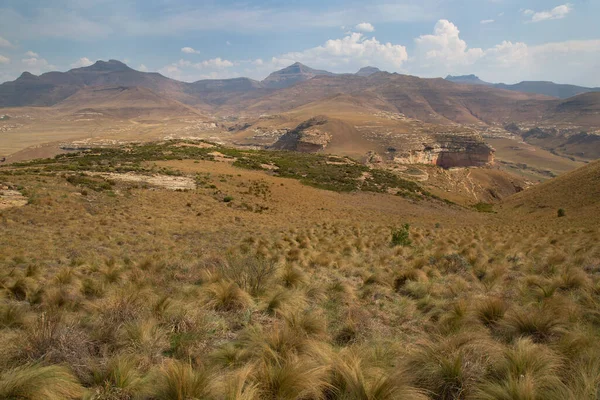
{"x": 401, "y": 236}
{"x": 161, "y": 294}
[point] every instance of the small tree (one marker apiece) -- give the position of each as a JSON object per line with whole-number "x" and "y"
{"x": 561, "y": 212}
{"x": 401, "y": 236}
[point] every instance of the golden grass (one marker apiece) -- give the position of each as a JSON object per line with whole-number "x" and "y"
{"x": 135, "y": 294}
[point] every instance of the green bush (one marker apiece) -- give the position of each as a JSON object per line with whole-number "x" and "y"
{"x": 484, "y": 207}
{"x": 401, "y": 236}
{"x": 561, "y": 212}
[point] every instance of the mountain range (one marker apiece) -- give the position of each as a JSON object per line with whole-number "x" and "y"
{"x": 368, "y": 110}
{"x": 546, "y": 88}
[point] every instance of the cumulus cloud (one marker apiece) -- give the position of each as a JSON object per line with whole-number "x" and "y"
{"x": 558, "y": 12}
{"x": 486, "y": 21}
{"x": 4, "y": 60}
{"x": 142, "y": 68}
{"x": 445, "y": 46}
{"x": 189, "y": 50}
{"x": 34, "y": 62}
{"x": 365, "y": 27}
{"x": 215, "y": 68}
{"x": 82, "y": 62}
{"x": 32, "y": 54}
{"x": 353, "y": 51}
{"x": 216, "y": 63}
{"x": 5, "y": 43}
{"x": 507, "y": 54}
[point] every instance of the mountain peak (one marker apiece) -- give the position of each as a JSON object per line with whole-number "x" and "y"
{"x": 107, "y": 66}
{"x": 366, "y": 71}
{"x": 27, "y": 75}
{"x": 297, "y": 72}
{"x": 471, "y": 79}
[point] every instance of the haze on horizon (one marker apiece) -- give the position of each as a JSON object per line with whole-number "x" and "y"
{"x": 498, "y": 40}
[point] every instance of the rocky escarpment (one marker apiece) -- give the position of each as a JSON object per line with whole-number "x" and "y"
{"x": 446, "y": 150}
{"x": 308, "y": 137}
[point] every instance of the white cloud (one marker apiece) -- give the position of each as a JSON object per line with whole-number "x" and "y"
{"x": 365, "y": 27}
{"x": 558, "y": 12}
{"x": 444, "y": 52}
{"x": 350, "y": 52}
{"x": 215, "y": 63}
{"x": 189, "y": 50}
{"x": 487, "y": 21}
{"x": 5, "y": 43}
{"x": 35, "y": 62}
{"x": 82, "y": 62}
{"x": 4, "y": 60}
{"x": 216, "y": 68}
{"x": 445, "y": 46}
{"x": 32, "y": 54}
{"x": 142, "y": 68}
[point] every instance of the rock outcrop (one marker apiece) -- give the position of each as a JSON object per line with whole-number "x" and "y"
{"x": 447, "y": 151}
{"x": 308, "y": 137}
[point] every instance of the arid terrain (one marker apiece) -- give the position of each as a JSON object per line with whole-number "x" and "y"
{"x": 309, "y": 236}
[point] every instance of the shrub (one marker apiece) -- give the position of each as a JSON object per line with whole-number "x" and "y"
{"x": 484, "y": 207}
{"x": 401, "y": 236}
{"x": 561, "y": 212}
{"x": 227, "y": 199}
{"x": 250, "y": 273}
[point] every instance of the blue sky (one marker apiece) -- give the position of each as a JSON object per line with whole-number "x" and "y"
{"x": 499, "y": 40}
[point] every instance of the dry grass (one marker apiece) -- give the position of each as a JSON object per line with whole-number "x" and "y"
{"x": 134, "y": 294}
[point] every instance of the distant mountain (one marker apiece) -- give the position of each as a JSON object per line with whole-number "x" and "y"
{"x": 291, "y": 75}
{"x": 547, "y": 88}
{"x": 124, "y": 102}
{"x": 430, "y": 100}
{"x": 367, "y": 71}
{"x": 537, "y": 87}
{"x": 468, "y": 79}
{"x": 53, "y": 87}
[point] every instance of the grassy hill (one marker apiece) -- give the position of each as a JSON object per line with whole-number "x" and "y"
{"x": 188, "y": 270}
{"x": 577, "y": 192}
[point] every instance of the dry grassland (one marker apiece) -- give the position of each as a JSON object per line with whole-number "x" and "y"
{"x": 255, "y": 286}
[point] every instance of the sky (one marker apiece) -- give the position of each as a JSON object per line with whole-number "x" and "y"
{"x": 499, "y": 40}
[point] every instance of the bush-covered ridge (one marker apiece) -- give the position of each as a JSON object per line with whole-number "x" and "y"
{"x": 322, "y": 171}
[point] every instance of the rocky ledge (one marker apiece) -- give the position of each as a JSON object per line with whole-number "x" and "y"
{"x": 308, "y": 137}
{"x": 446, "y": 150}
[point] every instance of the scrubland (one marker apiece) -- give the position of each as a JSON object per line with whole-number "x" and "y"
{"x": 255, "y": 286}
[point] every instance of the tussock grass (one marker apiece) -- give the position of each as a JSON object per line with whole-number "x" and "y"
{"x": 38, "y": 382}
{"x": 144, "y": 293}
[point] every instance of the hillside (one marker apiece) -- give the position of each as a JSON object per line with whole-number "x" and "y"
{"x": 188, "y": 270}
{"x": 430, "y": 100}
{"x": 577, "y": 192}
{"x": 53, "y": 87}
{"x": 545, "y": 88}
{"x": 288, "y": 76}
{"x": 123, "y": 102}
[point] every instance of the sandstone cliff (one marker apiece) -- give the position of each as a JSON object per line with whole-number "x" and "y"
{"x": 308, "y": 137}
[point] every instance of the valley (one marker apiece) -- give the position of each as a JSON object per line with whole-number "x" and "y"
{"x": 309, "y": 236}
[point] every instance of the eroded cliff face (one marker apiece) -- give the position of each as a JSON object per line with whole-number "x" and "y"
{"x": 447, "y": 151}
{"x": 308, "y": 137}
